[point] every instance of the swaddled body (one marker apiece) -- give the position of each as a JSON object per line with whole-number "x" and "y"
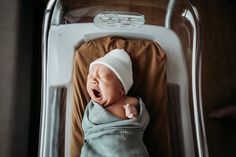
{"x": 109, "y": 136}
{"x": 113, "y": 123}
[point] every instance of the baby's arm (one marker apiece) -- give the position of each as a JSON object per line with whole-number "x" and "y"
{"x": 131, "y": 111}
{"x": 127, "y": 108}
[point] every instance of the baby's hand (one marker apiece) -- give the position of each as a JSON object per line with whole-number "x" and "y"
{"x": 131, "y": 111}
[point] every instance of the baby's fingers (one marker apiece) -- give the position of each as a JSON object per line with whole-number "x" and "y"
{"x": 130, "y": 111}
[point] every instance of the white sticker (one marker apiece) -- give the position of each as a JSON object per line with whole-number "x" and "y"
{"x": 120, "y": 20}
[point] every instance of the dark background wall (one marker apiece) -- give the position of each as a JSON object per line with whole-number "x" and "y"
{"x": 20, "y": 67}
{"x": 20, "y": 76}
{"x": 218, "y": 23}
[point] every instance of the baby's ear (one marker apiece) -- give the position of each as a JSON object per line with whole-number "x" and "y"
{"x": 123, "y": 91}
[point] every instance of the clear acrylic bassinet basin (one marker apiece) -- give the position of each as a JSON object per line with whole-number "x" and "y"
{"x": 172, "y": 24}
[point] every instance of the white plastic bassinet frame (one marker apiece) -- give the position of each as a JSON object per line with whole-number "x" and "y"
{"x": 59, "y": 73}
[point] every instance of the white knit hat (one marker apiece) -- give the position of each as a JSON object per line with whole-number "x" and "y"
{"x": 120, "y": 63}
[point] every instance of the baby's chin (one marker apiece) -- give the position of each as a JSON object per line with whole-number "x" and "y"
{"x": 102, "y": 101}
{"x": 106, "y": 102}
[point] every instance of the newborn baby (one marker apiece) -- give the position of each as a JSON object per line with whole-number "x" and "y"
{"x": 105, "y": 87}
{"x": 113, "y": 122}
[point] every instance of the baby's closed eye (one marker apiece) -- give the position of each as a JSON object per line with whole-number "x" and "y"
{"x": 105, "y": 75}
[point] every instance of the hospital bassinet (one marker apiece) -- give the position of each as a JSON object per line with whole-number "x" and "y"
{"x": 173, "y": 25}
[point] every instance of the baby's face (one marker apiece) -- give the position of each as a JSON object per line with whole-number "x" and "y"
{"x": 103, "y": 85}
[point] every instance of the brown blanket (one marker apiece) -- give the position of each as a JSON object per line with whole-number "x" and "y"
{"x": 149, "y": 66}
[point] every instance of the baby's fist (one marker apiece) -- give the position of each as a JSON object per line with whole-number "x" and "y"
{"x": 131, "y": 111}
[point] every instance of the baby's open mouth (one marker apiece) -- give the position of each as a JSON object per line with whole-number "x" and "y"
{"x": 96, "y": 93}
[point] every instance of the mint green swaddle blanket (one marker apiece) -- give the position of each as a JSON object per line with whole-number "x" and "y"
{"x": 109, "y": 136}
